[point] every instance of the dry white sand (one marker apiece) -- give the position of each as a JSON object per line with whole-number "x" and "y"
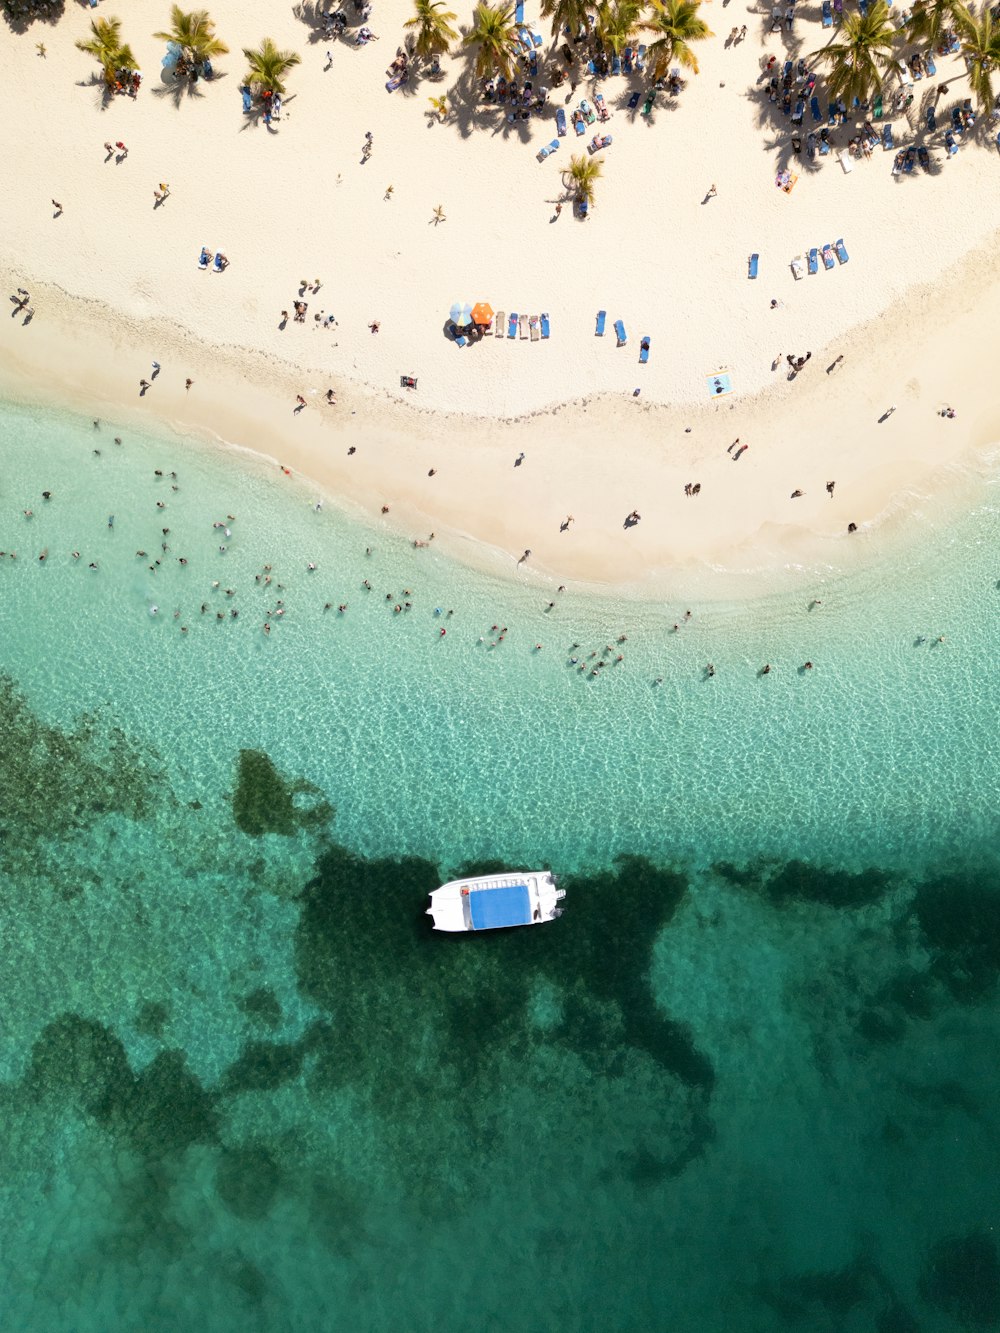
{"x": 115, "y": 283}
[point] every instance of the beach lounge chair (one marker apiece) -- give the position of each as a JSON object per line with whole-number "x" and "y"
{"x": 512, "y": 326}
{"x": 824, "y": 147}
{"x": 863, "y": 6}
{"x": 877, "y": 109}
{"x": 640, "y": 60}
{"x": 931, "y": 119}
{"x": 897, "y": 165}
{"x": 589, "y": 114}
{"x": 798, "y": 270}
{"x": 579, "y": 124}
{"x": 800, "y": 106}
{"x": 549, "y": 148}
{"x": 582, "y": 207}
{"x": 602, "y": 316}
{"x": 218, "y": 265}
{"x": 887, "y": 143}
{"x": 591, "y": 69}
{"x": 644, "y": 351}
{"x": 498, "y": 323}
{"x": 647, "y": 106}
{"x": 814, "y": 260}
{"x": 616, "y": 65}
{"x": 561, "y": 121}
{"x": 950, "y": 144}
{"x": 827, "y": 14}
{"x": 627, "y": 60}
{"x": 536, "y": 39}
{"x": 204, "y": 258}
{"x": 752, "y": 265}
{"x": 633, "y": 101}
{"x": 602, "y": 109}
{"x": 545, "y": 324}
{"x": 828, "y": 259}
{"x": 522, "y": 327}
{"x": 620, "y": 333}
{"x": 845, "y": 161}
{"x": 956, "y": 120}
{"x": 519, "y": 13}
{"x": 533, "y": 328}
{"x": 247, "y": 100}
{"x": 931, "y": 67}
{"x": 814, "y": 108}
{"x": 461, "y": 341}
{"x": 842, "y": 254}
{"x": 909, "y": 160}
{"x": 924, "y": 158}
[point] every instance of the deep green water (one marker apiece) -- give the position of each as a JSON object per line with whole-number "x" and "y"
{"x": 749, "y": 1079}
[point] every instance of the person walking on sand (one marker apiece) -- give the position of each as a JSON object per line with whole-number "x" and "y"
{"x": 712, "y": 192}
{"x": 122, "y": 150}
{"x": 57, "y": 206}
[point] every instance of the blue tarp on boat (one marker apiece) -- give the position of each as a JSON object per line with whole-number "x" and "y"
{"x": 506, "y": 906}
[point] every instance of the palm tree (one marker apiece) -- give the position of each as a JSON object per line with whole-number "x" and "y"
{"x": 493, "y": 31}
{"x": 981, "y": 48}
{"x": 580, "y": 175}
{"x": 675, "y": 24}
{"x": 859, "y": 61}
{"x": 930, "y": 19}
{"x": 433, "y": 23}
{"x": 571, "y": 14}
{"x": 194, "y": 33}
{"x": 439, "y": 107}
{"x": 438, "y": 214}
{"x": 267, "y": 65}
{"x": 108, "y": 49}
{"x": 617, "y": 21}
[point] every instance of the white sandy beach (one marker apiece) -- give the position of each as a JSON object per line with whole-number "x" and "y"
{"x": 115, "y": 284}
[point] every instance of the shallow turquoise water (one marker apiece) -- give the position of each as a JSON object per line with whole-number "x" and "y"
{"x": 746, "y": 1081}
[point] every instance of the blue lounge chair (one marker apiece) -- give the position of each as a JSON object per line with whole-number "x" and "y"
{"x": 545, "y": 325}
{"x": 620, "y": 332}
{"x": 207, "y": 72}
{"x": 787, "y": 72}
{"x": 561, "y": 120}
{"x": 602, "y": 316}
{"x": 543, "y": 153}
{"x": 644, "y": 351}
{"x": 461, "y": 341}
{"x": 956, "y": 120}
{"x": 579, "y": 124}
{"x": 633, "y": 101}
{"x": 814, "y": 108}
{"x": 536, "y": 40}
{"x": 931, "y": 67}
{"x": 627, "y": 60}
{"x": 752, "y": 270}
{"x": 887, "y": 144}
{"x": 842, "y": 254}
{"x": 863, "y": 6}
{"x": 814, "y": 260}
{"x": 824, "y": 147}
{"x": 519, "y": 13}
{"x": 931, "y": 119}
{"x": 827, "y": 14}
{"x": 247, "y": 99}
{"x": 512, "y": 325}
{"x": 831, "y": 113}
{"x": 950, "y": 144}
{"x": 591, "y": 69}
{"x": 924, "y": 158}
{"x": 582, "y": 207}
{"x": 800, "y": 106}
{"x": 616, "y": 64}
{"x": 217, "y": 263}
{"x": 909, "y": 160}
{"x": 640, "y": 60}
{"x": 828, "y": 259}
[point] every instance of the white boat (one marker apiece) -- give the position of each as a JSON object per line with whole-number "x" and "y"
{"x": 493, "y": 901}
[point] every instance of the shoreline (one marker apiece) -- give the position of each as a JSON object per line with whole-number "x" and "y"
{"x": 240, "y": 395}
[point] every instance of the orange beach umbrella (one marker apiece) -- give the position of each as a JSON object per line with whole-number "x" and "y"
{"x": 482, "y": 313}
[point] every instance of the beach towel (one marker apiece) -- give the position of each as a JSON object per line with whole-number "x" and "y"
{"x": 545, "y": 324}
{"x": 620, "y": 333}
{"x": 814, "y": 260}
{"x": 512, "y": 326}
{"x": 878, "y": 107}
{"x": 719, "y": 384}
{"x": 601, "y": 317}
{"x": 633, "y": 101}
{"x": 752, "y": 269}
{"x": 842, "y": 254}
{"x": 522, "y": 325}
{"x": 644, "y": 351}
{"x": 589, "y": 114}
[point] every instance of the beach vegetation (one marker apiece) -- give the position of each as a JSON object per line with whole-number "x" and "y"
{"x": 579, "y": 177}
{"x": 930, "y": 20}
{"x": 860, "y": 60}
{"x": 674, "y": 25}
{"x": 433, "y": 24}
{"x": 194, "y": 33}
{"x": 617, "y": 23}
{"x": 571, "y": 14}
{"x": 108, "y": 49}
{"x": 981, "y": 49}
{"x": 267, "y": 67}
{"x": 22, "y": 13}
{"x": 439, "y": 107}
{"x": 494, "y": 33}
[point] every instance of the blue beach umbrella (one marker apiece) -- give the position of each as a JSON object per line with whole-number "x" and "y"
{"x": 466, "y": 317}
{"x": 455, "y": 313}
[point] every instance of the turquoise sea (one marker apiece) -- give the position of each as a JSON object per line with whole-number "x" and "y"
{"x": 748, "y": 1081}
